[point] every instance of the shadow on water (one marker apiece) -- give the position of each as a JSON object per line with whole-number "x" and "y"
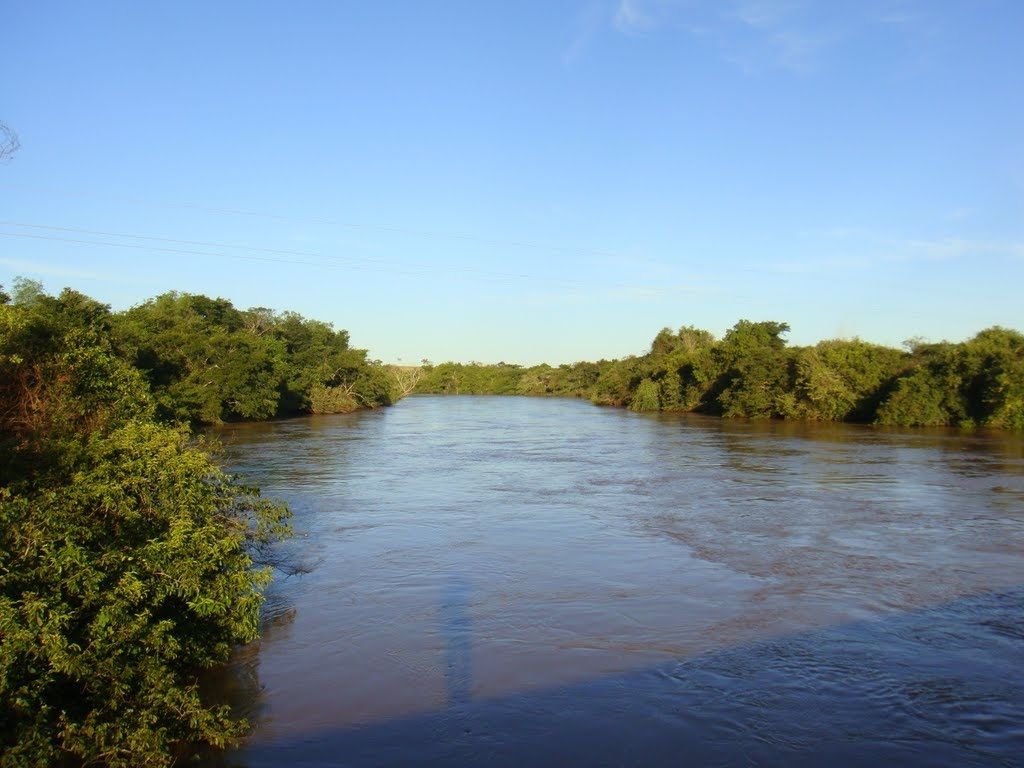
{"x": 456, "y": 627}
{"x": 508, "y": 582}
{"x": 939, "y": 687}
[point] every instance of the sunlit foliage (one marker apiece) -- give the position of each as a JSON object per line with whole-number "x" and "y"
{"x": 127, "y": 557}
{"x": 753, "y": 373}
{"x": 208, "y": 362}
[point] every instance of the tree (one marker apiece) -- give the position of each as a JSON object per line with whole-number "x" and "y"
{"x": 755, "y": 379}
{"x": 919, "y": 400}
{"x": 405, "y": 378}
{"x": 844, "y": 380}
{"x": 126, "y": 555}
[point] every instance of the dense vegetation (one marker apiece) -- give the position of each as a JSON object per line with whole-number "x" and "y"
{"x": 208, "y": 362}
{"x": 129, "y": 561}
{"x": 753, "y": 373}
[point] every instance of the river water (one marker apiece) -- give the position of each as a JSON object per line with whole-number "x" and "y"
{"x": 521, "y": 581}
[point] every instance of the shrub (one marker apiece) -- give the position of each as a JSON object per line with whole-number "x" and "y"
{"x": 646, "y": 397}
{"x": 331, "y": 400}
{"x": 126, "y": 555}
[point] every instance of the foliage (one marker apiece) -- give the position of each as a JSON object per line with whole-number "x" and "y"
{"x": 977, "y": 383}
{"x": 208, "y": 362}
{"x": 753, "y": 373}
{"x": 919, "y": 400}
{"x": 331, "y": 400}
{"x": 645, "y": 398}
{"x": 844, "y": 380}
{"x": 126, "y": 555}
{"x": 470, "y": 379}
{"x": 58, "y": 374}
{"x": 202, "y": 365}
{"x": 123, "y": 572}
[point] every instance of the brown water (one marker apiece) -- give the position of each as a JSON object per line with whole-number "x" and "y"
{"x": 538, "y": 581}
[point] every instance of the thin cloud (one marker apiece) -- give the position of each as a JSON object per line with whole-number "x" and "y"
{"x": 755, "y": 35}
{"x": 948, "y": 248}
{"x": 865, "y": 251}
{"x": 588, "y": 23}
{"x": 630, "y": 17}
{"x": 763, "y": 14}
{"x": 779, "y": 33}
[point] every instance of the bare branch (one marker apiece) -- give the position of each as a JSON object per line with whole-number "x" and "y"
{"x": 405, "y": 379}
{"x": 9, "y": 143}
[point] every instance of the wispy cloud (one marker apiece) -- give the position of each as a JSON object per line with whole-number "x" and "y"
{"x": 762, "y": 14}
{"x": 588, "y": 23}
{"x": 631, "y": 16}
{"x": 755, "y": 35}
{"x": 948, "y": 248}
{"x": 785, "y": 34}
{"x": 857, "y": 249}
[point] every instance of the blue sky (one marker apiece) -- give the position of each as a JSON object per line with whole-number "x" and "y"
{"x": 526, "y": 181}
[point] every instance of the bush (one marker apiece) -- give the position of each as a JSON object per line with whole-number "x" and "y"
{"x": 117, "y": 584}
{"x": 331, "y": 400}
{"x": 126, "y": 555}
{"x": 646, "y": 397}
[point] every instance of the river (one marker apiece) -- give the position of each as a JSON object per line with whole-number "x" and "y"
{"x": 521, "y": 581}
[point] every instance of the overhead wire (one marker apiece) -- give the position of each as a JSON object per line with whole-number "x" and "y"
{"x": 510, "y": 242}
{"x": 388, "y": 265}
{"x": 391, "y": 266}
{"x": 374, "y": 266}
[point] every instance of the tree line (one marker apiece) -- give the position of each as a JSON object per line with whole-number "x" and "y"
{"x": 129, "y": 561}
{"x": 752, "y": 372}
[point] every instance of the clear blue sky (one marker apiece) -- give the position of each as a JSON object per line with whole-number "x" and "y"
{"x": 527, "y": 181}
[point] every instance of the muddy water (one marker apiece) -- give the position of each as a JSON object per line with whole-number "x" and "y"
{"x": 537, "y": 581}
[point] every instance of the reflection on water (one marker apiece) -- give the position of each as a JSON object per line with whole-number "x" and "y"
{"x": 523, "y": 580}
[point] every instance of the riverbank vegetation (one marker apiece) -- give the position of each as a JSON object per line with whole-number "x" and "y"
{"x": 208, "y": 362}
{"x": 129, "y": 561}
{"x": 753, "y": 373}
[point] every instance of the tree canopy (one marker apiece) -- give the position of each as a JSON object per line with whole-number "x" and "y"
{"x": 128, "y": 558}
{"x": 753, "y": 373}
{"x": 208, "y": 362}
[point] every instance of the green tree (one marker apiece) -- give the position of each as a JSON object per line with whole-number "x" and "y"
{"x": 615, "y": 384}
{"x": 201, "y": 363}
{"x": 126, "y": 555}
{"x": 756, "y": 378}
{"x": 844, "y": 380}
{"x": 919, "y": 400}
{"x": 978, "y": 382}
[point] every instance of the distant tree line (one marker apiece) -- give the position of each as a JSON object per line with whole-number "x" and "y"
{"x": 751, "y": 372}
{"x": 129, "y": 562}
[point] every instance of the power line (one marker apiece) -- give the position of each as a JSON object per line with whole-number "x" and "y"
{"x": 139, "y": 247}
{"x": 280, "y": 251}
{"x": 515, "y": 243}
{"x": 391, "y": 270}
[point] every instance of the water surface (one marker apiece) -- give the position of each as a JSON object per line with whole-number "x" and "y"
{"x": 540, "y": 581}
